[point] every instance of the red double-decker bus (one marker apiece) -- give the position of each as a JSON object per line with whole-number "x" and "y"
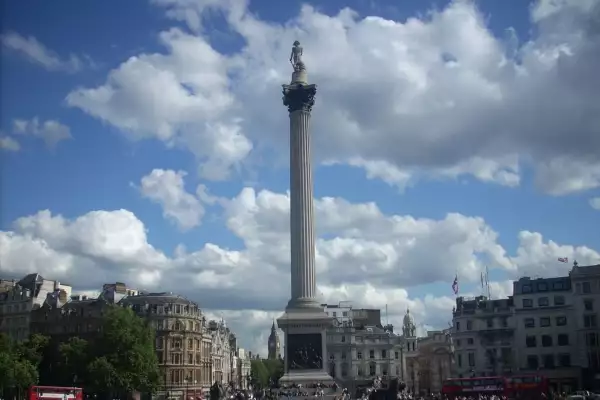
{"x": 54, "y": 393}
{"x": 486, "y": 385}
{"x": 517, "y": 386}
{"x": 526, "y": 386}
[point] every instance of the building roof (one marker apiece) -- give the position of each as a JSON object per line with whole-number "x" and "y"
{"x": 157, "y": 298}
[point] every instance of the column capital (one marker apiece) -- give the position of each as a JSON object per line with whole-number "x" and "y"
{"x": 299, "y": 97}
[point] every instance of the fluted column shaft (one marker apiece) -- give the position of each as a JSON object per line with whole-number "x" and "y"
{"x": 302, "y": 208}
{"x": 299, "y": 98}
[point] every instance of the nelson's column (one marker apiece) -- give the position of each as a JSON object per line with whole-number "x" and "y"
{"x": 304, "y": 321}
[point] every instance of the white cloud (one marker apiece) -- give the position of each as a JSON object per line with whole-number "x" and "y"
{"x": 167, "y": 188}
{"x": 9, "y": 144}
{"x": 363, "y": 255}
{"x": 595, "y": 203}
{"x": 432, "y": 97}
{"x": 50, "y": 131}
{"x": 39, "y": 54}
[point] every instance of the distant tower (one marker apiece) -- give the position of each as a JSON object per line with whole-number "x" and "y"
{"x": 409, "y": 331}
{"x": 274, "y": 344}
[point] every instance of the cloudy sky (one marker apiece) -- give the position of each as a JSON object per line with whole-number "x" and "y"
{"x": 146, "y": 142}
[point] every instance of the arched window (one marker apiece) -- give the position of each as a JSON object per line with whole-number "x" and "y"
{"x": 372, "y": 368}
{"x": 178, "y": 326}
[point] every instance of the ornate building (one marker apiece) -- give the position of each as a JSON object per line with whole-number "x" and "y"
{"x": 223, "y": 356}
{"x": 274, "y": 344}
{"x": 434, "y": 360}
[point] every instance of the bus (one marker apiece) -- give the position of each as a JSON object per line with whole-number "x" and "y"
{"x": 527, "y": 386}
{"x": 487, "y": 385}
{"x": 54, "y": 393}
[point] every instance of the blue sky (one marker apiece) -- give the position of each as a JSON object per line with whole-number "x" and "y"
{"x": 497, "y": 127}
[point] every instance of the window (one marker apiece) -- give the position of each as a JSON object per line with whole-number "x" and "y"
{"x": 559, "y": 300}
{"x": 526, "y": 288}
{"x": 564, "y": 360}
{"x": 532, "y": 362}
{"x": 470, "y": 341}
{"x": 529, "y": 323}
{"x": 383, "y": 354}
{"x": 548, "y": 360}
{"x": 471, "y": 359}
{"x": 543, "y": 302}
{"x": 334, "y": 314}
{"x": 359, "y": 355}
{"x": 343, "y": 339}
{"x": 490, "y": 323}
{"x": 345, "y": 313}
{"x": 457, "y": 343}
{"x": 558, "y": 285}
{"x": 459, "y": 360}
{"x": 563, "y": 339}
{"x": 527, "y": 303}
{"x": 371, "y": 353}
{"x": 343, "y": 355}
{"x": 591, "y": 339}
{"x": 372, "y": 369}
{"x": 588, "y": 305}
{"x": 586, "y": 287}
{"x": 546, "y": 341}
{"x": 457, "y": 326}
{"x": 544, "y": 321}
{"x": 504, "y": 322}
{"x": 469, "y": 325}
{"x": 561, "y": 321}
{"x": 542, "y": 287}
{"x": 590, "y": 321}
{"x": 530, "y": 341}
{"x": 396, "y": 355}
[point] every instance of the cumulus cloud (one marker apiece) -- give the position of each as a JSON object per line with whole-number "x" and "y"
{"x": 38, "y": 53}
{"x": 9, "y": 144}
{"x": 435, "y": 96}
{"x": 363, "y": 255}
{"x": 50, "y": 131}
{"x": 166, "y": 187}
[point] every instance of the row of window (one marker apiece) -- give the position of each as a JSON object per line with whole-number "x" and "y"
{"x": 545, "y": 322}
{"x": 178, "y": 359}
{"x": 549, "y": 361}
{"x": 544, "y": 302}
{"x": 489, "y": 324}
{"x": 544, "y": 287}
{"x": 359, "y": 355}
{"x": 547, "y": 340}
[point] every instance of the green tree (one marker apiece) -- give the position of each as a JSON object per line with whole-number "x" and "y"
{"x": 74, "y": 359}
{"x": 124, "y": 360}
{"x": 274, "y": 368}
{"x": 259, "y": 373}
{"x": 18, "y": 370}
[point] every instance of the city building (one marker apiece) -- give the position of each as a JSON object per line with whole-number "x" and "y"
{"x": 274, "y": 344}
{"x": 183, "y": 342}
{"x": 244, "y": 368}
{"x": 360, "y": 348}
{"x": 483, "y": 336}
{"x": 19, "y": 298}
{"x": 223, "y": 347}
{"x": 548, "y": 326}
{"x": 434, "y": 360}
{"x": 585, "y": 282}
{"x": 543, "y": 340}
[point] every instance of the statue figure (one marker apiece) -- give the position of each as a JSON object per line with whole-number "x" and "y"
{"x": 296, "y": 57}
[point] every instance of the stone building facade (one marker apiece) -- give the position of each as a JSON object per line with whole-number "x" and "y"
{"x": 243, "y": 368}
{"x": 434, "y": 360}
{"x": 192, "y": 352}
{"x": 19, "y": 298}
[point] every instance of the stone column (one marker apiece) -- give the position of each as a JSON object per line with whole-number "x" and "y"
{"x": 299, "y": 99}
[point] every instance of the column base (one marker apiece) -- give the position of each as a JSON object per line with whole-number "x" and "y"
{"x": 306, "y": 378}
{"x": 305, "y": 341}
{"x": 303, "y": 303}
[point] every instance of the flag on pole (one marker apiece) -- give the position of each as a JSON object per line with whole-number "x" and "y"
{"x": 455, "y": 285}
{"x": 563, "y": 259}
{"x": 482, "y": 279}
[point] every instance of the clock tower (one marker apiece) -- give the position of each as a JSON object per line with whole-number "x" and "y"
{"x": 274, "y": 344}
